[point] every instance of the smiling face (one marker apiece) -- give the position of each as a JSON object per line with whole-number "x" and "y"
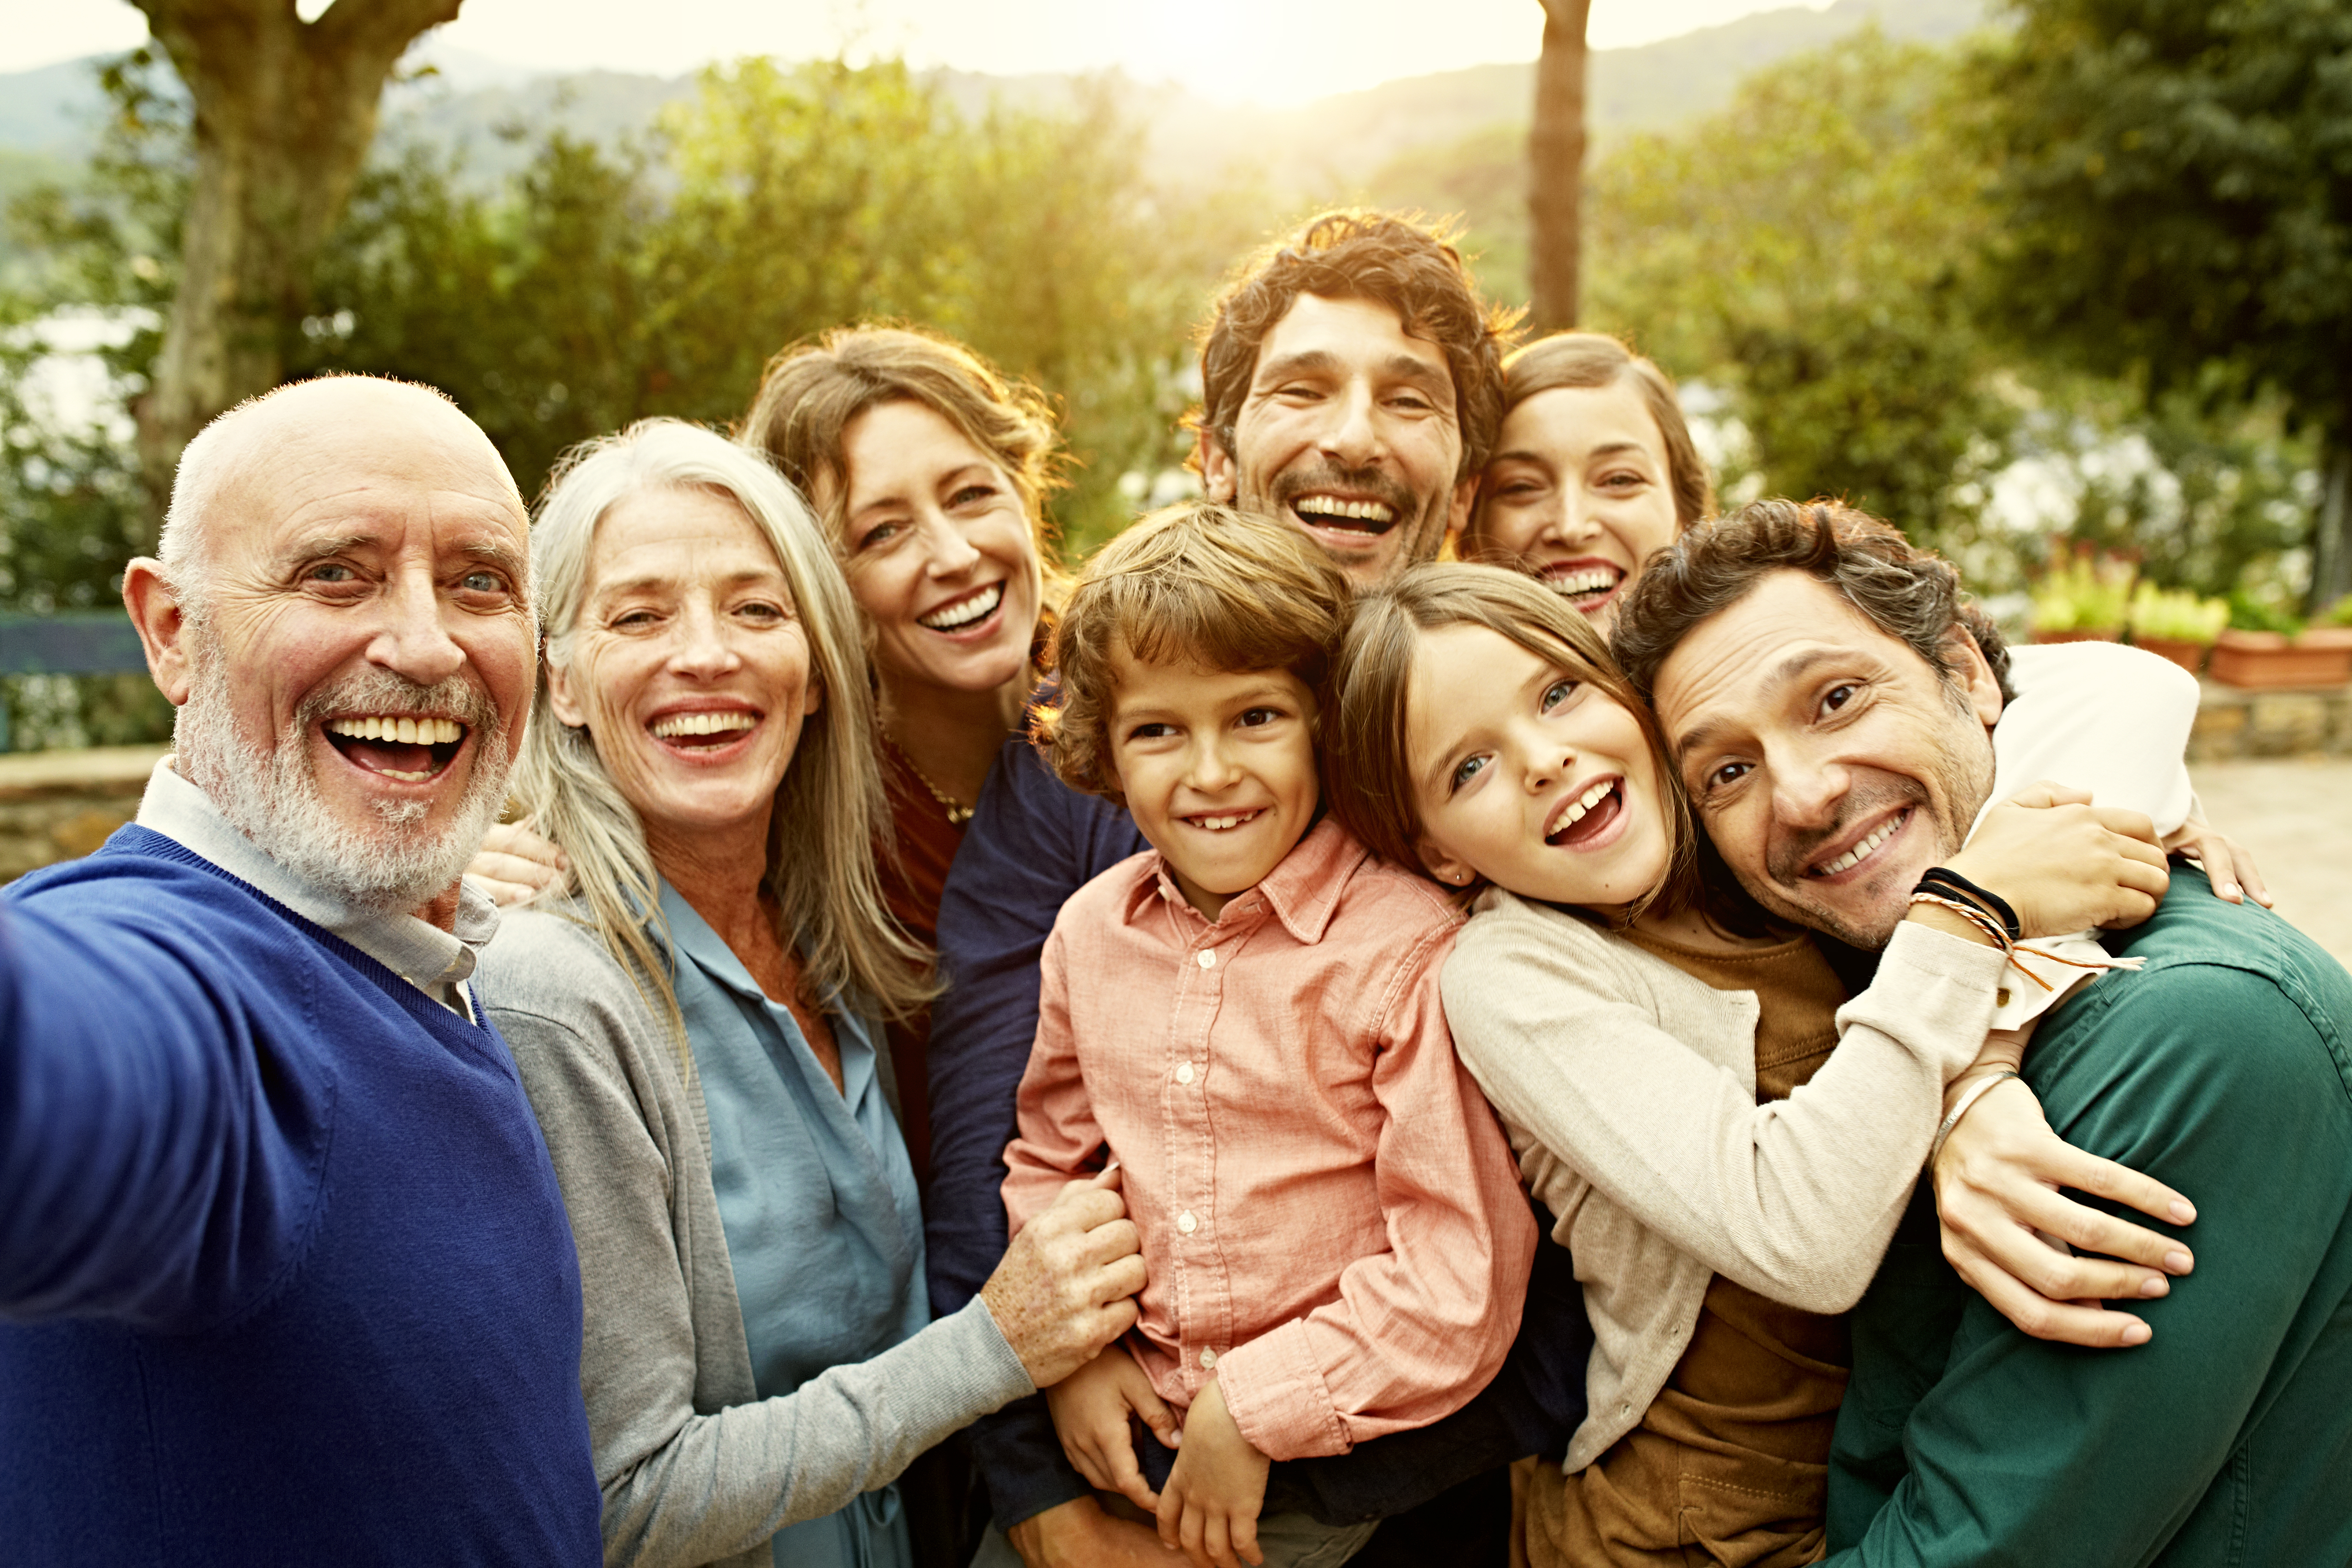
{"x": 939, "y": 552}
{"x": 1830, "y": 762}
{"x": 1349, "y": 432}
{"x": 1528, "y": 777}
{"x": 355, "y": 656}
{"x": 1577, "y": 494}
{"x": 1218, "y": 769}
{"x": 690, "y": 666}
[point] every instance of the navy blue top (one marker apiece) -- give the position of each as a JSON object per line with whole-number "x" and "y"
{"x": 1033, "y": 842}
{"x": 285, "y": 1275}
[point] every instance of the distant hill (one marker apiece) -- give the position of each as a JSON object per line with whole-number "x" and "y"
{"x": 1333, "y": 143}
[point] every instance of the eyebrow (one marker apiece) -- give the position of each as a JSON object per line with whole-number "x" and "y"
{"x": 1548, "y": 674}
{"x": 1399, "y": 366}
{"x": 1785, "y": 674}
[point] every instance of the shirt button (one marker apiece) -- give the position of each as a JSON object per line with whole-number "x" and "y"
{"x": 1184, "y": 1072}
{"x": 1208, "y": 1361}
{"x": 1186, "y": 1223}
{"x": 1208, "y": 959}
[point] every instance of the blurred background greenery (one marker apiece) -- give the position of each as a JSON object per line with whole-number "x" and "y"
{"x": 2000, "y": 277}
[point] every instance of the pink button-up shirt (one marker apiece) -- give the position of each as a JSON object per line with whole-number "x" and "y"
{"x": 1331, "y": 1218}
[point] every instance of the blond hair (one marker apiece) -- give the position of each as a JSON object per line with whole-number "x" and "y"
{"x": 1195, "y": 583}
{"x": 829, "y": 803}
{"x": 1368, "y": 780}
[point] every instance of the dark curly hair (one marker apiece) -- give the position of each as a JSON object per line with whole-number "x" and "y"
{"x": 1410, "y": 267}
{"x": 1912, "y": 595}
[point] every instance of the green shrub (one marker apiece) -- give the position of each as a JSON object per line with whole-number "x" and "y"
{"x": 2176, "y": 614}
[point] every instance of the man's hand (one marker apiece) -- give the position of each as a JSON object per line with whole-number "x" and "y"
{"x": 1080, "y": 1534}
{"x": 1090, "y": 1410}
{"x": 2225, "y": 860}
{"x": 1997, "y": 1183}
{"x": 1213, "y": 1498}
{"x": 2064, "y": 864}
{"x": 1064, "y": 1288}
{"x": 515, "y": 865}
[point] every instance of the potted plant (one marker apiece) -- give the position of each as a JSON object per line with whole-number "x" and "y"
{"x": 2083, "y": 598}
{"x": 2264, "y": 649}
{"x": 2175, "y": 624}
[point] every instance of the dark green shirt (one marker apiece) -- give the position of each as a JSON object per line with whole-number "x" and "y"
{"x": 2224, "y": 1068}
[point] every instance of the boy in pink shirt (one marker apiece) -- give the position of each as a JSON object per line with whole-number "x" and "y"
{"x": 1246, "y": 1019}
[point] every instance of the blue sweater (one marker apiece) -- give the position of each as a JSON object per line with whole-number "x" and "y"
{"x": 1033, "y": 842}
{"x": 285, "y": 1275}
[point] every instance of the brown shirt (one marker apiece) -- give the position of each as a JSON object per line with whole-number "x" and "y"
{"x": 1730, "y": 1463}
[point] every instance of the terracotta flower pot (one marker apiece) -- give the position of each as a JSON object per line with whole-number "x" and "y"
{"x": 2110, "y": 635}
{"x": 2262, "y": 660}
{"x": 2188, "y": 656}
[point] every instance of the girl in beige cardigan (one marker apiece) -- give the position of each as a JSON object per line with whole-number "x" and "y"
{"x": 1479, "y": 731}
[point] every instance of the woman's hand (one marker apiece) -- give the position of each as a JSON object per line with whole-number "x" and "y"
{"x": 2064, "y": 864}
{"x": 1213, "y": 1495}
{"x": 1090, "y": 1410}
{"x": 515, "y": 865}
{"x": 2225, "y": 860}
{"x": 1066, "y": 1287}
{"x": 1997, "y": 1184}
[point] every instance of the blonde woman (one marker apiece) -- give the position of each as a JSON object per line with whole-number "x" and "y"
{"x": 697, "y": 1023}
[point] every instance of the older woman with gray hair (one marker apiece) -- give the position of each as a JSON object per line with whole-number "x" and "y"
{"x": 697, "y": 1022}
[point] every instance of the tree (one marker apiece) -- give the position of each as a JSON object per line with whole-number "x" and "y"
{"x": 284, "y": 113}
{"x": 2175, "y": 185}
{"x": 1555, "y": 166}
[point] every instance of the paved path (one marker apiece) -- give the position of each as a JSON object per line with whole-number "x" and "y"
{"x": 2296, "y": 819}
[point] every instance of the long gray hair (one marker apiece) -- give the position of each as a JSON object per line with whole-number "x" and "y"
{"x": 822, "y": 837}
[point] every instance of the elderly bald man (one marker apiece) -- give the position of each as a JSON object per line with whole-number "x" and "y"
{"x": 285, "y": 1275}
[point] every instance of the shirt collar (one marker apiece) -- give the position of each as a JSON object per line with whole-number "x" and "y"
{"x": 1302, "y": 889}
{"x": 435, "y": 961}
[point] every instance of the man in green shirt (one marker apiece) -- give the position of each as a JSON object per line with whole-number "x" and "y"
{"x": 1825, "y": 688}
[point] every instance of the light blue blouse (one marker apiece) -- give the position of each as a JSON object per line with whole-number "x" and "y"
{"x": 817, "y": 1201}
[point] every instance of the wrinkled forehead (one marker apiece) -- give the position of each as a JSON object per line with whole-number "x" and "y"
{"x": 1737, "y": 672}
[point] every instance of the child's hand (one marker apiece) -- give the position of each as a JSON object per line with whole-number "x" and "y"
{"x": 1212, "y": 1503}
{"x": 1090, "y": 1409}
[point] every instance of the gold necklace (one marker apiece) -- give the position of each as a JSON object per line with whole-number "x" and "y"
{"x": 957, "y": 813}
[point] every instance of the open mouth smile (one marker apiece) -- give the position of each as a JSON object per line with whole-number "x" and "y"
{"x": 409, "y": 747}
{"x": 1224, "y": 822}
{"x": 1345, "y": 514}
{"x": 702, "y": 730}
{"x": 964, "y": 614}
{"x": 1586, "y": 816}
{"x": 1587, "y": 585}
{"x": 1869, "y": 845}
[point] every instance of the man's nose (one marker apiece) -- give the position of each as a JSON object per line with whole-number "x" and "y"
{"x": 1807, "y": 791}
{"x": 413, "y": 642}
{"x": 1352, "y": 437}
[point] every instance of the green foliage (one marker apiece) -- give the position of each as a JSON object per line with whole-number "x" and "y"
{"x": 1805, "y": 249}
{"x": 2083, "y": 590}
{"x": 2176, "y": 614}
{"x": 2251, "y": 614}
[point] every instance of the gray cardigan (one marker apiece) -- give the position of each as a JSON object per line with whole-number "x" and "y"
{"x": 696, "y": 1469}
{"x": 1628, "y": 1089}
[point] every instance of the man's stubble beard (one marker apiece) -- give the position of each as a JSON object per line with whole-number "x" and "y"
{"x": 1422, "y": 530}
{"x": 274, "y": 797}
{"x": 1964, "y": 778}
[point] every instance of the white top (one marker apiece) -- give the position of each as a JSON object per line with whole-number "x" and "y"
{"x": 435, "y": 961}
{"x": 2096, "y": 716}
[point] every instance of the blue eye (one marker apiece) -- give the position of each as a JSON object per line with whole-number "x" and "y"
{"x": 1469, "y": 769}
{"x": 1557, "y": 693}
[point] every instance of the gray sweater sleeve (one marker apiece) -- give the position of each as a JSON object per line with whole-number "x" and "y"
{"x": 695, "y": 1469}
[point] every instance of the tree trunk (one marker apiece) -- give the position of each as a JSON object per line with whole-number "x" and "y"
{"x": 1555, "y": 166}
{"x": 285, "y": 110}
{"x": 2331, "y": 533}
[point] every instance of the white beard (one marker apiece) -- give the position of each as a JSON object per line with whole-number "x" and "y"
{"x": 274, "y": 798}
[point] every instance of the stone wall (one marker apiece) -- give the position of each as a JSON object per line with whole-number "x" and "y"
{"x": 2233, "y": 722}
{"x": 55, "y": 806}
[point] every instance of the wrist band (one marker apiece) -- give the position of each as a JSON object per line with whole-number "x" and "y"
{"x": 1976, "y": 1091}
{"x": 1944, "y": 879}
{"x": 1985, "y": 925}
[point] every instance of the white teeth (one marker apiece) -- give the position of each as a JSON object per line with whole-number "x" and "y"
{"x": 1592, "y": 580}
{"x": 1584, "y": 803}
{"x": 1331, "y": 506}
{"x": 702, "y": 723}
{"x": 1221, "y": 824}
{"x": 400, "y": 729}
{"x": 977, "y": 607}
{"x": 1856, "y": 856}
{"x": 403, "y": 776}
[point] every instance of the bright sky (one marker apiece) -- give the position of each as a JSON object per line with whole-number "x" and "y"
{"x": 1271, "y": 51}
